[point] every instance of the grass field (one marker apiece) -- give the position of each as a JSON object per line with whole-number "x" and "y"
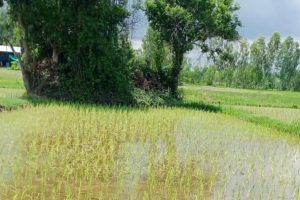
{"x": 10, "y": 79}
{"x": 229, "y": 96}
{"x": 69, "y": 151}
{"x": 286, "y": 115}
{"x": 12, "y": 91}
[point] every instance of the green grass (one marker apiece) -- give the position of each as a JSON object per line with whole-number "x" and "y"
{"x": 228, "y": 96}
{"x": 285, "y": 115}
{"x": 12, "y": 92}
{"x": 267, "y": 120}
{"x": 11, "y": 79}
{"x": 274, "y": 109}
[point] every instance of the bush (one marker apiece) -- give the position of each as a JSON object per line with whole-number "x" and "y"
{"x": 15, "y": 65}
{"x": 150, "y": 98}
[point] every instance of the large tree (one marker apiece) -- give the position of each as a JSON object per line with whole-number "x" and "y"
{"x": 184, "y": 23}
{"x": 73, "y": 49}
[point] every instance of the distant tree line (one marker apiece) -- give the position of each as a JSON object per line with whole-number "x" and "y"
{"x": 263, "y": 64}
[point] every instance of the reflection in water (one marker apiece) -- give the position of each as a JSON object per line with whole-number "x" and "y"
{"x": 247, "y": 164}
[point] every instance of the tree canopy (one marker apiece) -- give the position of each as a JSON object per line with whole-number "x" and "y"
{"x": 74, "y": 49}
{"x": 184, "y": 23}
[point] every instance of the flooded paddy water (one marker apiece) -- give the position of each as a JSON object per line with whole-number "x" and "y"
{"x": 65, "y": 152}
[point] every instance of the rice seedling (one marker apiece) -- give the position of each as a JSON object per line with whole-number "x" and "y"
{"x": 72, "y": 152}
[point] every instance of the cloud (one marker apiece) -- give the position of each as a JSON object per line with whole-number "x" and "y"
{"x": 263, "y": 17}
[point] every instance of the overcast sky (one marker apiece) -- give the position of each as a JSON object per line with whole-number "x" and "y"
{"x": 259, "y": 18}
{"x": 263, "y": 17}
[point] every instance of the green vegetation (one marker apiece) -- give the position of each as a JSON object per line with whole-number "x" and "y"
{"x": 275, "y": 109}
{"x": 286, "y": 115}
{"x": 8, "y": 33}
{"x": 267, "y": 120}
{"x": 182, "y": 26}
{"x": 230, "y": 96}
{"x": 261, "y": 65}
{"x": 74, "y": 51}
{"x": 178, "y": 152}
{"x": 214, "y": 143}
{"x": 12, "y": 92}
{"x": 11, "y": 79}
{"x": 97, "y": 152}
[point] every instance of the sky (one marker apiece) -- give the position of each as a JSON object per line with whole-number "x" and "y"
{"x": 258, "y": 17}
{"x": 263, "y": 17}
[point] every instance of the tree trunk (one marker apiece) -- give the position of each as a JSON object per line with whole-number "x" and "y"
{"x": 176, "y": 69}
{"x": 28, "y": 65}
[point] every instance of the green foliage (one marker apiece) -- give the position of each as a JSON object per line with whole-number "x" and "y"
{"x": 150, "y": 98}
{"x": 8, "y": 32}
{"x": 184, "y": 23}
{"x": 287, "y": 62}
{"x": 191, "y": 74}
{"x": 152, "y": 65}
{"x": 157, "y": 53}
{"x": 296, "y": 81}
{"x": 263, "y": 65}
{"x": 210, "y": 75}
{"x": 75, "y": 50}
{"x": 15, "y": 65}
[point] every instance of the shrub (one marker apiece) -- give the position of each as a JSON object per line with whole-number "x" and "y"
{"x": 15, "y": 65}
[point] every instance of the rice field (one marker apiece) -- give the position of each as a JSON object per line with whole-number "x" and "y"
{"x": 70, "y": 152}
{"x": 64, "y": 151}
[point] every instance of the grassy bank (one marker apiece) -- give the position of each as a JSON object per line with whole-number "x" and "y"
{"x": 229, "y": 96}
